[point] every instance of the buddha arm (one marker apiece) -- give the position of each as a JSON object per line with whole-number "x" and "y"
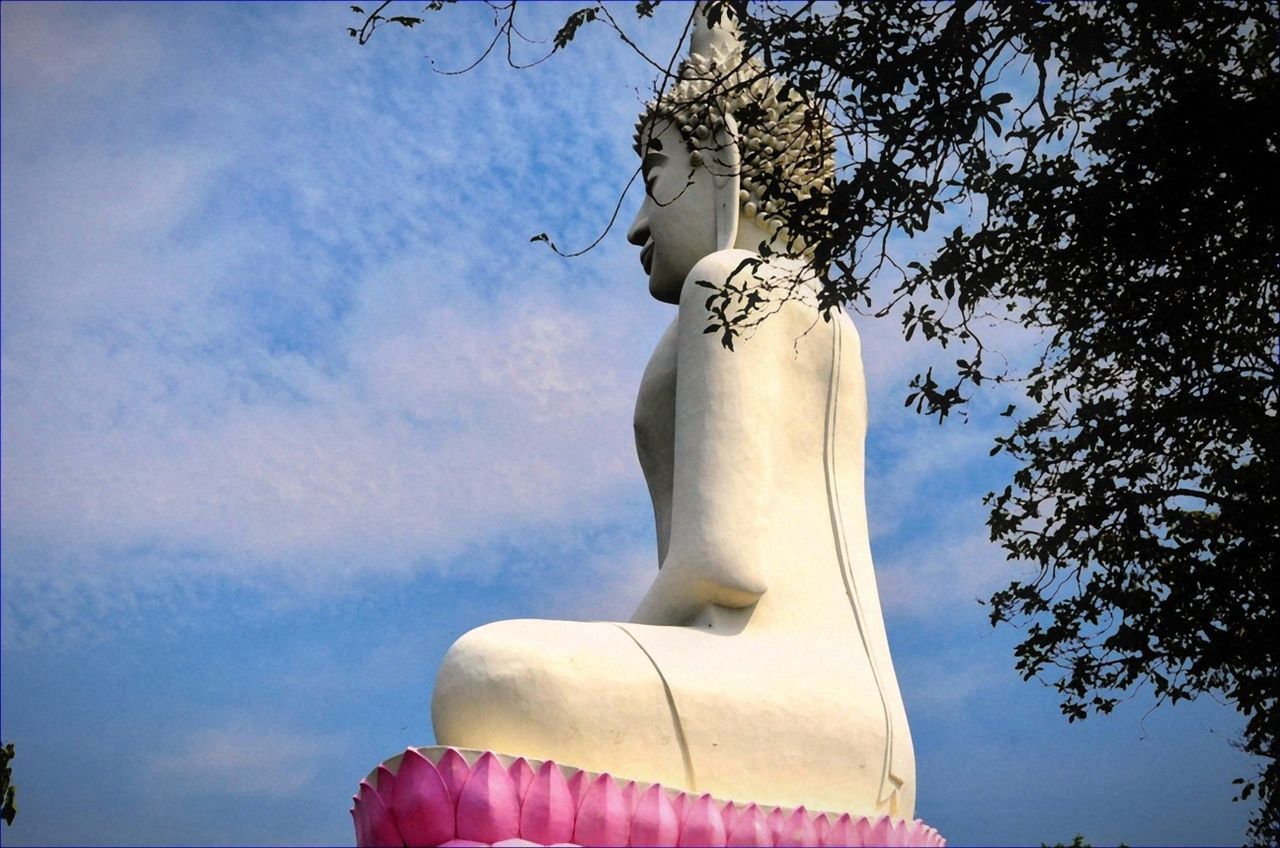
{"x": 726, "y": 416}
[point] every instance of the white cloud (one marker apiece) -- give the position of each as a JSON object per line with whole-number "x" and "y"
{"x": 931, "y": 576}
{"x": 239, "y": 759}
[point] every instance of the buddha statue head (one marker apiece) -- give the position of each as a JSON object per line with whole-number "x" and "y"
{"x": 731, "y": 157}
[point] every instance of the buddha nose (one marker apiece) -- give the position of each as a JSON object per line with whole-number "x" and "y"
{"x": 639, "y": 232}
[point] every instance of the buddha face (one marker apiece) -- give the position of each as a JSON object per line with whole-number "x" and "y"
{"x": 676, "y": 225}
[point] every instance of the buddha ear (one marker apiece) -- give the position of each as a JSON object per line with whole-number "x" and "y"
{"x": 727, "y": 177}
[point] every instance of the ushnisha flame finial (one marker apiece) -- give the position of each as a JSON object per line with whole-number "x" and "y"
{"x": 784, "y": 151}
{"x": 720, "y": 38}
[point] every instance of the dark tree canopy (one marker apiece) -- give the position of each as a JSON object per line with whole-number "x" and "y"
{"x": 1113, "y": 169}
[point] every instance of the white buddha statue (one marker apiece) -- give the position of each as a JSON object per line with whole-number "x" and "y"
{"x": 756, "y": 668}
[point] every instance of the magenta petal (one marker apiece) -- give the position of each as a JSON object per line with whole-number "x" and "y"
{"x": 463, "y": 843}
{"x": 521, "y": 775}
{"x": 384, "y": 782}
{"x": 578, "y": 788}
{"x": 681, "y": 802}
{"x": 420, "y": 802}
{"x": 603, "y": 819}
{"x": 382, "y": 832}
{"x": 798, "y": 830}
{"x": 777, "y": 825}
{"x": 750, "y": 828}
{"x": 488, "y": 809}
{"x": 880, "y": 832}
{"x": 862, "y": 831}
{"x": 654, "y": 821}
{"x": 361, "y": 822}
{"x": 631, "y": 795}
{"x": 703, "y": 825}
{"x": 547, "y": 812}
{"x": 729, "y": 813}
{"x": 842, "y": 833}
{"x": 821, "y": 827}
{"x": 454, "y": 771}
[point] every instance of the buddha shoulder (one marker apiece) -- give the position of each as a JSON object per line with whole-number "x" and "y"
{"x": 754, "y": 294}
{"x": 723, "y": 266}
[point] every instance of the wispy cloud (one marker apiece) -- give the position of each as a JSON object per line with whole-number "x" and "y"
{"x": 243, "y": 759}
{"x": 927, "y": 576}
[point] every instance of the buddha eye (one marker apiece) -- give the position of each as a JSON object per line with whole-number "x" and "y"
{"x": 650, "y": 168}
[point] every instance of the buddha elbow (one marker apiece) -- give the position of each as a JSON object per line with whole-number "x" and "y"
{"x": 736, "y": 596}
{"x": 722, "y": 577}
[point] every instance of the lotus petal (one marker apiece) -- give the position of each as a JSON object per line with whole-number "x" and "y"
{"x": 631, "y": 795}
{"x": 517, "y": 843}
{"x": 703, "y": 825}
{"x": 381, "y": 829}
{"x": 862, "y": 831}
{"x": 603, "y": 818}
{"x": 881, "y": 833}
{"x": 750, "y": 828}
{"x": 821, "y": 827}
{"x": 681, "y": 802}
{"x": 361, "y": 823}
{"x": 777, "y": 824}
{"x": 488, "y": 809}
{"x": 463, "y": 843}
{"x": 522, "y": 775}
{"x": 729, "y": 813}
{"x": 654, "y": 821}
{"x": 927, "y": 836}
{"x": 842, "y": 833}
{"x": 420, "y": 802}
{"x": 455, "y": 771}
{"x": 547, "y": 812}
{"x": 798, "y": 830}
{"x": 384, "y": 782}
{"x": 578, "y": 788}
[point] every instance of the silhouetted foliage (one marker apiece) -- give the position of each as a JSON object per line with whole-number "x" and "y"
{"x": 1112, "y": 169}
{"x": 8, "y": 792}
{"x": 1077, "y": 842}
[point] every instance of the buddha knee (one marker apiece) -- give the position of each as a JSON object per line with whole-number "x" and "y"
{"x": 515, "y": 685}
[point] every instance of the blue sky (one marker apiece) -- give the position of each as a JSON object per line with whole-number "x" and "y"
{"x": 290, "y": 402}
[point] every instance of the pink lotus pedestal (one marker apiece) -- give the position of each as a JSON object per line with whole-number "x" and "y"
{"x": 453, "y": 797}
